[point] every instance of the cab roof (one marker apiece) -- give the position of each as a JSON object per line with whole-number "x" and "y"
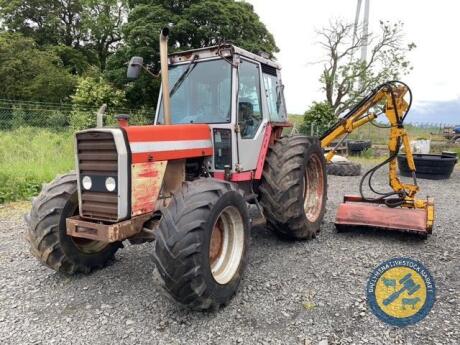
{"x": 223, "y": 50}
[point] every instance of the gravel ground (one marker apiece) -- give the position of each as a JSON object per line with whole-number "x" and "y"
{"x": 293, "y": 293}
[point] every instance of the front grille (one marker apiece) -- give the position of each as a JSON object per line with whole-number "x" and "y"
{"x": 97, "y": 157}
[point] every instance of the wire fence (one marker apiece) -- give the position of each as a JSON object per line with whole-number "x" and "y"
{"x": 378, "y": 135}
{"x": 432, "y": 128}
{"x": 15, "y": 114}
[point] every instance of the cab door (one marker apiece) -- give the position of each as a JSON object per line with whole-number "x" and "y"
{"x": 250, "y": 109}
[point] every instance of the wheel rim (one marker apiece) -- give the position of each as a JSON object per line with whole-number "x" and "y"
{"x": 85, "y": 245}
{"x": 226, "y": 245}
{"x": 313, "y": 188}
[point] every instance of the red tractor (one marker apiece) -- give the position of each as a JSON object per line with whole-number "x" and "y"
{"x": 213, "y": 163}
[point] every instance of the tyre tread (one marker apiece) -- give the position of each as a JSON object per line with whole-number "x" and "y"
{"x": 43, "y": 226}
{"x": 178, "y": 242}
{"x": 283, "y": 212}
{"x": 343, "y": 169}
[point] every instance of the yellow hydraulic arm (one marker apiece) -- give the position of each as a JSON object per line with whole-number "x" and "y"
{"x": 395, "y": 108}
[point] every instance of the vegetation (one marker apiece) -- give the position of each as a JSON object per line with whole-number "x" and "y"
{"x": 90, "y": 91}
{"x": 89, "y": 29}
{"x": 47, "y": 47}
{"x": 28, "y": 72}
{"x": 61, "y": 51}
{"x": 380, "y": 136}
{"x": 346, "y": 77}
{"x": 194, "y": 24}
{"x": 318, "y": 118}
{"x": 30, "y": 157}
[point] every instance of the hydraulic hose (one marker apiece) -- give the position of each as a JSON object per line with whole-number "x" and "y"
{"x": 399, "y": 200}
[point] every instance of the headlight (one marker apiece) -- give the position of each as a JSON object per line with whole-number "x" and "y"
{"x": 86, "y": 182}
{"x": 110, "y": 184}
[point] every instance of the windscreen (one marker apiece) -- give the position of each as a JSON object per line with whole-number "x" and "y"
{"x": 200, "y": 92}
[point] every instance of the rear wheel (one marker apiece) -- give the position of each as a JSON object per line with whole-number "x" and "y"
{"x": 47, "y": 233}
{"x": 294, "y": 187}
{"x": 201, "y": 244}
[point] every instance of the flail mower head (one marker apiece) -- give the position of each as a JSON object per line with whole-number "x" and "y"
{"x": 355, "y": 212}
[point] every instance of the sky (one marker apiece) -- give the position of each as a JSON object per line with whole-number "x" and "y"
{"x": 434, "y": 26}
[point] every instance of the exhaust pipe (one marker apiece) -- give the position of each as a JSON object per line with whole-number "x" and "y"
{"x": 165, "y": 75}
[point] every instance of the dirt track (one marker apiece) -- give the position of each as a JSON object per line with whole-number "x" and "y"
{"x": 292, "y": 293}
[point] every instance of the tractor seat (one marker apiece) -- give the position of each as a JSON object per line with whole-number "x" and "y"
{"x": 246, "y": 118}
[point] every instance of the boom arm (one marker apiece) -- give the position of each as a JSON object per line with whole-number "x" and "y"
{"x": 396, "y": 108}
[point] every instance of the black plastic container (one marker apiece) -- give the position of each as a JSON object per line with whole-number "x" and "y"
{"x": 428, "y": 166}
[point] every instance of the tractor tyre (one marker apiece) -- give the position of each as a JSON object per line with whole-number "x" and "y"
{"x": 357, "y": 146}
{"x": 293, "y": 191}
{"x": 47, "y": 236}
{"x": 201, "y": 244}
{"x": 343, "y": 169}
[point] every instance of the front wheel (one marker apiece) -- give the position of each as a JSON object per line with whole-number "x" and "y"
{"x": 294, "y": 187}
{"x": 201, "y": 244}
{"x": 47, "y": 234}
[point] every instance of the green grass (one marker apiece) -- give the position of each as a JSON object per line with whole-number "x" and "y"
{"x": 369, "y": 157}
{"x": 30, "y": 157}
{"x": 454, "y": 149}
{"x": 381, "y": 135}
{"x": 295, "y": 119}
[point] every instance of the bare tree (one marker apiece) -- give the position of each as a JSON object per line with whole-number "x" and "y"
{"x": 345, "y": 76}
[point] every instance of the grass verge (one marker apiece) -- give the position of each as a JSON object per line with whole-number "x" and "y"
{"x": 30, "y": 157}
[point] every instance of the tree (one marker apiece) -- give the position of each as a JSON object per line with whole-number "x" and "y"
{"x": 102, "y": 23}
{"x": 194, "y": 24}
{"x": 75, "y": 61}
{"x": 90, "y": 27}
{"x": 345, "y": 76}
{"x": 79, "y": 34}
{"x": 29, "y": 73}
{"x": 210, "y": 22}
{"x": 48, "y": 22}
{"x": 318, "y": 118}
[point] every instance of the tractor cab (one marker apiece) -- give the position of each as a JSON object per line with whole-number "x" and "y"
{"x": 237, "y": 93}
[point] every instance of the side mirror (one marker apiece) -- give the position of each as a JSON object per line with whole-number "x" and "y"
{"x": 134, "y": 67}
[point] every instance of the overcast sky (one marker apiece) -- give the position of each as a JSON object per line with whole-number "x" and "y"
{"x": 434, "y": 26}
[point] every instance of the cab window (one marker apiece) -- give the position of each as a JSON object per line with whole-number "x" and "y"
{"x": 200, "y": 92}
{"x": 273, "y": 92}
{"x": 249, "y": 104}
